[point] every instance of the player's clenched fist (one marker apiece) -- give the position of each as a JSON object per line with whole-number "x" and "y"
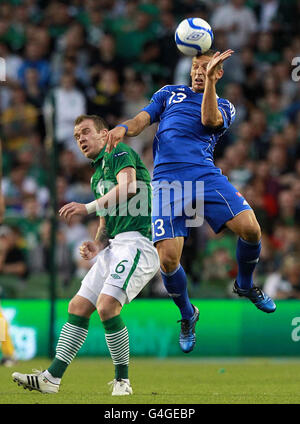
{"x": 114, "y": 137}
{"x": 89, "y": 249}
{"x": 71, "y": 209}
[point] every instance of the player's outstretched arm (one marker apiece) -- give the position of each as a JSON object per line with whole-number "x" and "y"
{"x": 120, "y": 193}
{"x": 125, "y": 189}
{"x": 130, "y": 128}
{"x": 71, "y": 209}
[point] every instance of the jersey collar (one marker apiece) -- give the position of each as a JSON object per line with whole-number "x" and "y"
{"x": 200, "y": 93}
{"x": 99, "y": 157}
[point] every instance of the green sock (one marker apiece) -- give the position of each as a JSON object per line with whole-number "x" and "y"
{"x": 117, "y": 340}
{"x": 72, "y": 337}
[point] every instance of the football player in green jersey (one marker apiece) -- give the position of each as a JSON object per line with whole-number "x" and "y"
{"x": 126, "y": 258}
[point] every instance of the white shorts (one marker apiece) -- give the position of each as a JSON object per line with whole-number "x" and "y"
{"x": 122, "y": 269}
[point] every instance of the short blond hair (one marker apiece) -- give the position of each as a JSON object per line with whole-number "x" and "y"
{"x": 99, "y": 123}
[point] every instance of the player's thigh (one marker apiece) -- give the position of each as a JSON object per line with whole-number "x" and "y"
{"x": 93, "y": 282}
{"x": 246, "y": 226}
{"x": 81, "y": 306}
{"x": 222, "y": 202}
{"x": 134, "y": 261}
{"x": 168, "y": 217}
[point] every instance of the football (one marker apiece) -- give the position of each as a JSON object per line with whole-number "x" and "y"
{"x": 193, "y": 35}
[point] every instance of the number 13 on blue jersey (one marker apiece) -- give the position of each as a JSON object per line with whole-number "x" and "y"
{"x": 157, "y": 228}
{"x": 177, "y": 97}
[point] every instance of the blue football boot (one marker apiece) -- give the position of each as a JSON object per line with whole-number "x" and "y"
{"x": 187, "y": 337}
{"x": 261, "y": 300}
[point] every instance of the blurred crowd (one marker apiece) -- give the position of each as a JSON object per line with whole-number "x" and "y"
{"x": 108, "y": 57}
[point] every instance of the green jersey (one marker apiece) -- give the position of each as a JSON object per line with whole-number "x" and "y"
{"x": 133, "y": 214}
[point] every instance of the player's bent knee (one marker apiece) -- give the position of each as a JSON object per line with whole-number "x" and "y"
{"x": 168, "y": 263}
{"x": 108, "y": 307}
{"x": 251, "y": 233}
{"x": 169, "y": 260}
{"x": 245, "y": 225}
{"x": 105, "y": 312}
{"x": 80, "y": 306}
{"x": 169, "y": 256}
{"x": 74, "y": 307}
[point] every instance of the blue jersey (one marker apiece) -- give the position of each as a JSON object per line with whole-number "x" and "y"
{"x": 181, "y": 136}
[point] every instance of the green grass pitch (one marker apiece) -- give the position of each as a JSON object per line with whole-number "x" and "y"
{"x": 166, "y": 381}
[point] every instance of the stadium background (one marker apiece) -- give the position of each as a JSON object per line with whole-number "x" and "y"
{"x": 108, "y": 57}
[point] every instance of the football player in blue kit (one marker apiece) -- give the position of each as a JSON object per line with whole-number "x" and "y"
{"x": 191, "y": 121}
